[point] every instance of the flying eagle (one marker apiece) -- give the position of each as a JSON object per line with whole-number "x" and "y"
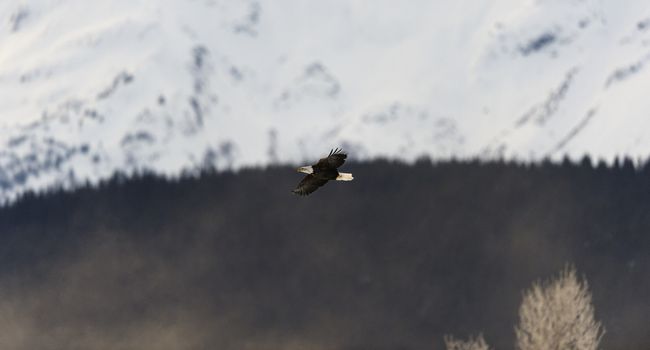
{"x": 321, "y": 172}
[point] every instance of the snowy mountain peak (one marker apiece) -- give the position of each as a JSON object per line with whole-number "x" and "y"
{"x": 92, "y": 88}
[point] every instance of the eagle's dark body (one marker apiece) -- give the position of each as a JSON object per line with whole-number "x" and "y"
{"x": 321, "y": 172}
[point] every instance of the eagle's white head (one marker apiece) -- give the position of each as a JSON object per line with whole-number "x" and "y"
{"x": 306, "y": 169}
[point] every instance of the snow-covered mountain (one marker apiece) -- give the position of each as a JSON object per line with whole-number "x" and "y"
{"x": 91, "y": 87}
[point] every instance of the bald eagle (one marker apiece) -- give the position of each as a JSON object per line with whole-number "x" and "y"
{"x": 321, "y": 172}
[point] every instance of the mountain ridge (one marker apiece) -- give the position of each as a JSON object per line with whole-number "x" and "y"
{"x": 168, "y": 86}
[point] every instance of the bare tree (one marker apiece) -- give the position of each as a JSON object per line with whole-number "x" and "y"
{"x": 477, "y": 343}
{"x": 558, "y": 315}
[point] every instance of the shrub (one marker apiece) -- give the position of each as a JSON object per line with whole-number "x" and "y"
{"x": 558, "y": 315}
{"x": 477, "y": 343}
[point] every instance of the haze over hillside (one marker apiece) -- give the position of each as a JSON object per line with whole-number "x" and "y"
{"x": 393, "y": 260}
{"x": 93, "y": 87}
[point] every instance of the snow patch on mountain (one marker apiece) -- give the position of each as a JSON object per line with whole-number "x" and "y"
{"x": 90, "y": 88}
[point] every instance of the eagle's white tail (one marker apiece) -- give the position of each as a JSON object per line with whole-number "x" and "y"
{"x": 344, "y": 177}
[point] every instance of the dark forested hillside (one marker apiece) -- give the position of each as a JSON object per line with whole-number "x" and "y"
{"x": 393, "y": 260}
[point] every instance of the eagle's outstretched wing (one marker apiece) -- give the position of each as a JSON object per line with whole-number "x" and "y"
{"x": 308, "y": 185}
{"x": 334, "y": 160}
